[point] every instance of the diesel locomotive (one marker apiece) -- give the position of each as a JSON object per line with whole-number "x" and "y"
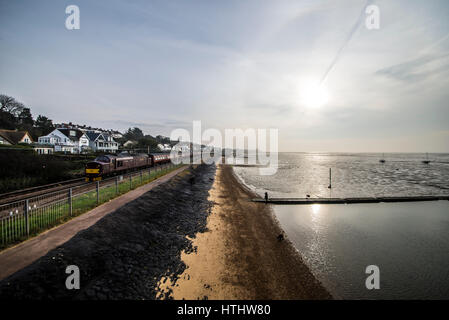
{"x": 109, "y": 165}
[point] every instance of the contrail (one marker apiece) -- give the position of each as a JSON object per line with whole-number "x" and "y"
{"x": 345, "y": 43}
{"x": 433, "y": 45}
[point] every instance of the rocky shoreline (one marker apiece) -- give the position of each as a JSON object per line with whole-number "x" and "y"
{"x": 126, "y": 253}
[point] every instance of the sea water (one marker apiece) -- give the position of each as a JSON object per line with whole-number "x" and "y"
{"x": 409, "y": 242}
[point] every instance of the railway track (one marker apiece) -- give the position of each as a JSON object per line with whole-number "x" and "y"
{"x": 23, "y": 194}
{"x": 13, "y": 204}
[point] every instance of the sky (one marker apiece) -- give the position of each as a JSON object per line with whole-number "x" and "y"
{"x": 159, "y": 65}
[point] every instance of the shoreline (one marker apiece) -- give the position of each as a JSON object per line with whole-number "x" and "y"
{"x": 239, "y": 256}
{"x": 196, "y": 236}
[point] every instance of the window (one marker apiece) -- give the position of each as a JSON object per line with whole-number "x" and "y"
{"x": 102, "y": 159}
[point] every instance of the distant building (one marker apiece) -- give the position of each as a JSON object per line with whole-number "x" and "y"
{"x": 66, "y": 140}
{"x": 129, "y": 143}
{"x": 43, "y": 148}
{"x": 102, "y": 142}
{"x": 116, "y": 135}
{"x": 164, "y": 147}
{"x": 182, "y": 146}
{"x": 13, "y": 137}
{"x": 73, "y": 139}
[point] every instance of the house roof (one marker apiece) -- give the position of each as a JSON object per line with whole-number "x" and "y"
{"x": 93, "y": 135}
{"x": 13, "y": 136}
{"x": 66, "y": 132}
{"x": 50, "y": 135}
{"x": 108, "y": 137}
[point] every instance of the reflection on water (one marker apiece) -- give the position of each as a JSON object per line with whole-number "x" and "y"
{"x": 408, "y": 241}
{"x": 353, "y": 175}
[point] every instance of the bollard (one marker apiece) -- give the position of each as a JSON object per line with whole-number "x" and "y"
{"x": 116, "y": 185}
{"x": 70, "y": 202}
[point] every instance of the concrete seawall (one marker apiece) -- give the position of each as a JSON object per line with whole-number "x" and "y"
{"x": 349, "y": 200}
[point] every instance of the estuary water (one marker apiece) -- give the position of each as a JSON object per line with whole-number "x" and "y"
{"x": 409, "y": 242}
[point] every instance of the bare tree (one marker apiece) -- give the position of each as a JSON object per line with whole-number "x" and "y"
{"x": 10, "y": 105}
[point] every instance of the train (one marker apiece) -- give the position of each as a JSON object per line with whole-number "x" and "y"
{"x": 110, "y": 165}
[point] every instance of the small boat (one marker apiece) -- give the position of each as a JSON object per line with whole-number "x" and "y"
{"x": 427, "y": 161}
{"x": 382, "y": 160}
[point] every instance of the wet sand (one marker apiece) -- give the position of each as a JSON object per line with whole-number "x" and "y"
{"x": 239, "y": 256}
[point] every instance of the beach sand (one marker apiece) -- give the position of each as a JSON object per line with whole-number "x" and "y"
{"x": 239, "y": 256}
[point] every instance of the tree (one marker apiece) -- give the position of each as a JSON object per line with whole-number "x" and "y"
{"x": 134, "y": 134}
{"x": 10, "y": 110}
{"x": 162, "y": 139}
{"x": 10, "y": 105}
{"x": 44, "y": 125}
{"x": 25, "y": 119}
{"x": 146, "y": 142}
{"x": 7, "y": 120}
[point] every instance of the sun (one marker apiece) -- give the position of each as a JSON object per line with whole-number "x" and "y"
{"x": 315, "y": 96}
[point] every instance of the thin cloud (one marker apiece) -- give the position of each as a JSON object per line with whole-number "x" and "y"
{"x": 417, "y": 69}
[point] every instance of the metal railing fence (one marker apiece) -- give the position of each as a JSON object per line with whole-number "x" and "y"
{"x": 22, "y": 219}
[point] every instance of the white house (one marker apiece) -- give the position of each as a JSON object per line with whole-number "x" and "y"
{"x": 129, "y": 143}
{"x": 14, "y": 137}
{"x": 43, "y": 148}
{"x": 164, "y": 147}
{"x": 102, "y": 142}
{"x": 66, "y": 140}
{"x": 50, "y": 138}
{"x": 116, "y": 135}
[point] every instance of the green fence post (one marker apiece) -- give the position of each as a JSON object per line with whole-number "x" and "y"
{"x": 98, "y": 192}
{"x": 70, "y": 202}
{"x": 130, "y": 181}
{"x": 27, "y": 220}
{"x": 116, "y": 185}
{"x": 3, "y": 233}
